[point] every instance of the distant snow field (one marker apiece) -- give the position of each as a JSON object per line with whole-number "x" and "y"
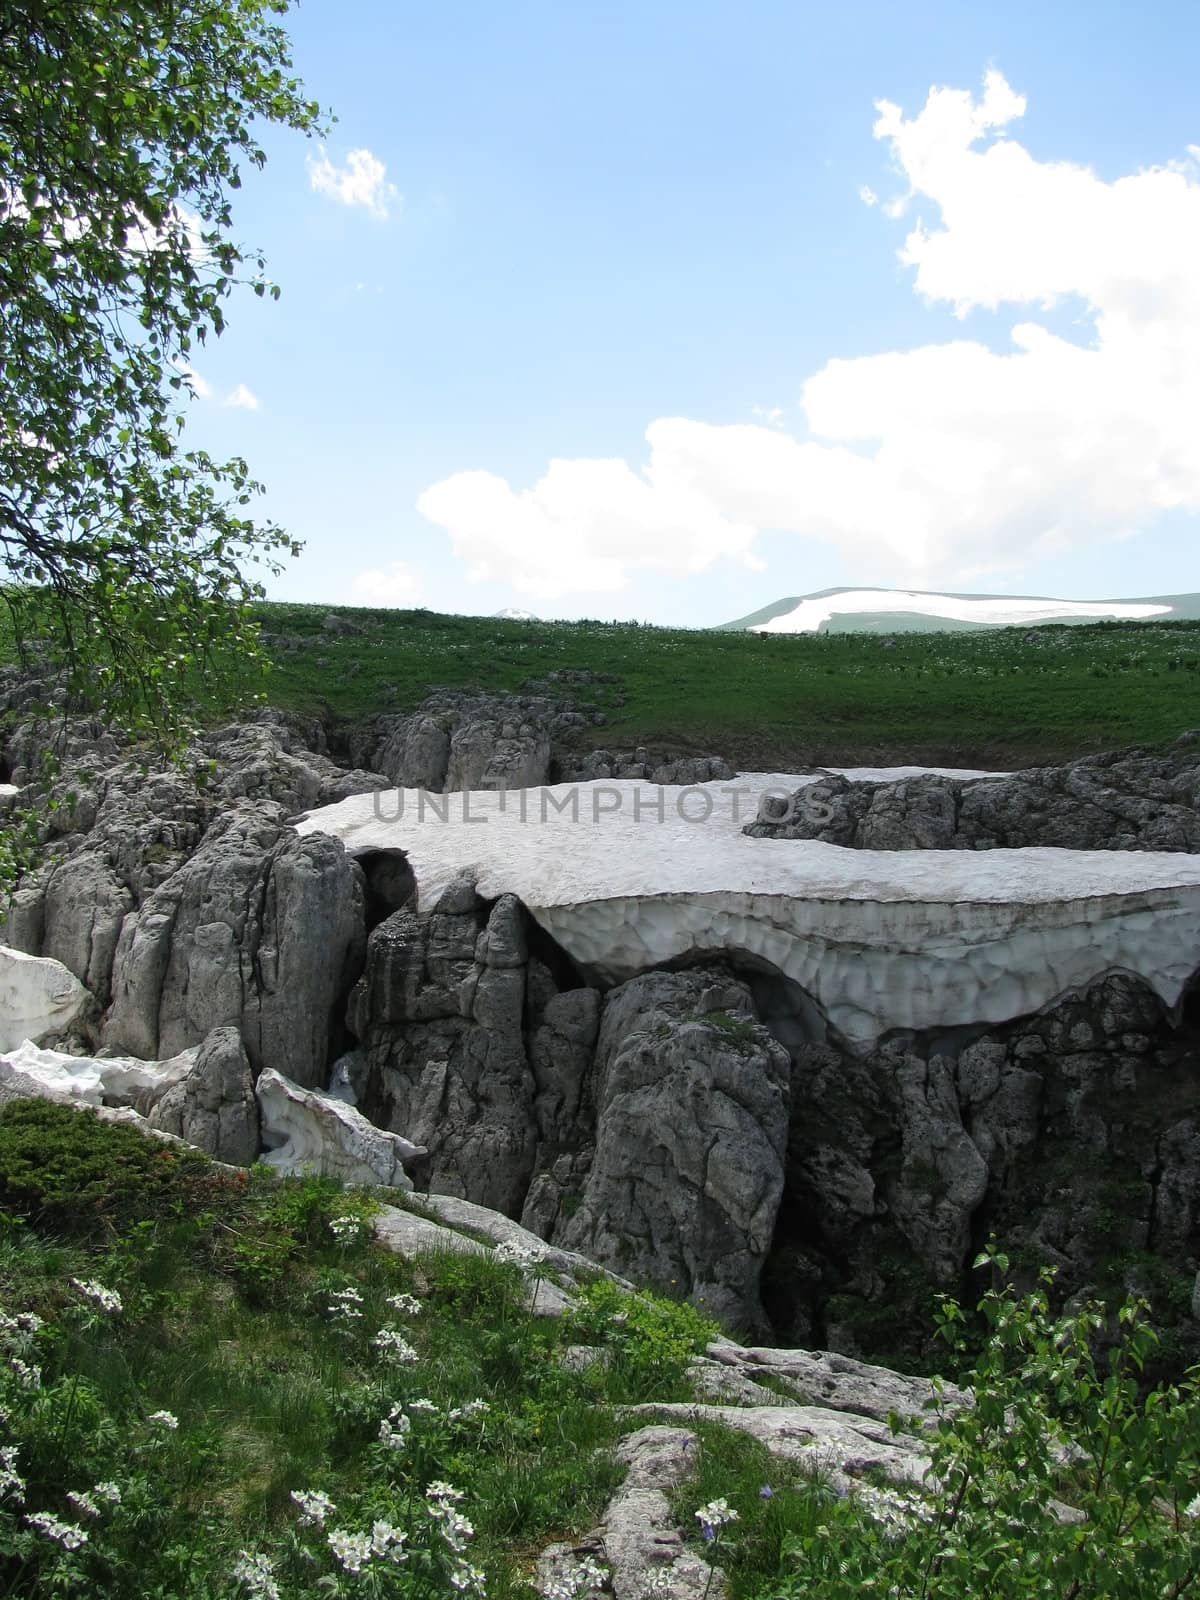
{"x": 810, "y": 614}
{"x": 628, "y": 875}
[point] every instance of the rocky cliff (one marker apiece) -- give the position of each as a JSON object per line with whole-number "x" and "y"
{"x": 795, "y": 1082}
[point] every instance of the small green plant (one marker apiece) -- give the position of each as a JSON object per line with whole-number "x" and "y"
{"x": 651, "y": 1340}
{"x": 1065, "y": 1477}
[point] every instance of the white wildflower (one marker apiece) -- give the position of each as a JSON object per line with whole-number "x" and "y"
{"x": 656, "y": 1583}
{"x": 82, "y": 1501}
{"x": 63, "y": 1533}
{"x": 108, "y": 1300}
{"x": 387, "y": 1542}
{"x": 443, "y": 1493}
{"x": 394, "y": 1429}
{"x": 473, "y": 1408}
{"x": 714, "y": 1516}
{"x": 466, "y": 1578}
{"x": 314, "y": 1507}
{"x": 164, "y": 1419}
{"x": 353, "y": 1550}
{"x": 108, "y": 1491}
{"x": 517, "y": 1255}
{"x": 345, "y": 1229}
{"x": 26, "y": 1373}
{"x": 390, "y": 1342}
{"x": 577, "y": 1579}
{"x": 407, "y": 1304}
{"x": 424, "y": 1406}
{"x": 452, "y": 1525}
{"x": 257, "y": 1574}
{"x": 346, "y": 1303}
{"x": 11, "y": 1482}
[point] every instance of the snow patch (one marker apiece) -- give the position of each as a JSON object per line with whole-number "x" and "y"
{"x": 627, "y": 875}
{"x": 809, "y": 615}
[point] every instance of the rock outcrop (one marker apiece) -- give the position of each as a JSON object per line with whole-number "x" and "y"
{"x": 463, "y": 739}
{"x": 1073, "y": 1135}
{"x": 1129, "y": 800}
{"x": 440, "y": 1015}
{"x": 257, "y": 929}
{"x": 690, "y": 1097}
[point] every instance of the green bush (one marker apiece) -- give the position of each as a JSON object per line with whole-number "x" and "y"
{"x": 65, "y": 1169}
{"x": 1067, "y": 1477}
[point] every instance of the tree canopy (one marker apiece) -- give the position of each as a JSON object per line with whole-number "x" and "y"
{"x": 124, "y": 125}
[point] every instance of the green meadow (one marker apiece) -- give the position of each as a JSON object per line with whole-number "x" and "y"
{"x": 997, "y": 697}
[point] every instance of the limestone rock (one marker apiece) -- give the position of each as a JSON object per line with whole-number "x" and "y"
{"x": 639, "y": 1540}
{"x": 309, "y": 1133}
{"x": 691, "y": 1104}
{"x": 258, "y": 930}
{"x": 1139, "y": 799}
{"x": 212, "y": 1105}
{"x": 439, "y": 1014}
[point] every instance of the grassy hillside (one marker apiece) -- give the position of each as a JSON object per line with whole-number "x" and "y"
{"x": 214, "y": 1385}
{"x": 996, "y": 696}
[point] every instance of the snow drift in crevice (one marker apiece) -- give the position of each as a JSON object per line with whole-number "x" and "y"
{"x": 626, "y": 876}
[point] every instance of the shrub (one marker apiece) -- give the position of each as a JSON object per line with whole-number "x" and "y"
{"x": 70, "y": 1171}
{"x": 1065, "y": 1478}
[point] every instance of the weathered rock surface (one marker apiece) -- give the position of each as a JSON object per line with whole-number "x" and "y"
{"x": 1140, "y": 799}
{"x": 440, "y": 1014}
{"x": 1073, "y": 1135}
{"x": 257, "y": 929}
{"x": 306, "y": 1133}
{"x": 639, "y": 1541}
{"x": 691, "y": 1104}
{"x": 653, "y": 766}
{"x": 213, "y": 1105}
{"x": 462, "y": 740}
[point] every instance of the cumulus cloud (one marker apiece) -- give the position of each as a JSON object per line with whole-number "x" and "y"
{"x": 937, "y": 464}
{"x": 396, "y": 585}
{"x": 199, "y": 386}
{"x": 241, "y": 399}
{"x": 361, "y": 182}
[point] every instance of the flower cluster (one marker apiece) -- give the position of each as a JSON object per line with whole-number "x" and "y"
{"x": 314, "y": 1507}
{"x": 715, "y": 1516}
{"x": 406, "y": 1304}
{"x": 164, "y": 1419}
{"x": 345, "y": 1304}
{"x": 11, "y": 1482}
{"x": 106, "y": 1300}
{"x": 63, "y": 1533}
{"x": 577, "y": 1579}
{"x": 346, "y": 1229}
{"x": 390, "y": 1342}
{"x": 395, "y": 1428}
{"x": 257, "y": 1575}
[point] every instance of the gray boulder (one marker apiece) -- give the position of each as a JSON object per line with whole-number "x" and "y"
{"x": 259, "y": 930}
{"x": 1140, "y": 799}
{"x": 213, "y": 1105}
{"x": 691, "y": 1107}
{"x": 439, "y": 1015}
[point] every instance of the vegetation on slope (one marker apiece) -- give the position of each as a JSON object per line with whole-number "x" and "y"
{"x": 215, "y": 1384}
{"x": 1001, "y": 697}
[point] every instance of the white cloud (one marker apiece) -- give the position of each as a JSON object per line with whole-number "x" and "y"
{"x": 241, "y": 399}
{"x": 771, "y": 415}
{"x": 868, "y": 196}
{"x": 945, "y": 462}
{"x": 361, "y": 182}
{"x": 200, "y": 387}
{"x": 398, "y": 585}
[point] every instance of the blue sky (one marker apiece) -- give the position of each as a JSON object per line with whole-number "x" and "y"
{"x": 574, "y": 223}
